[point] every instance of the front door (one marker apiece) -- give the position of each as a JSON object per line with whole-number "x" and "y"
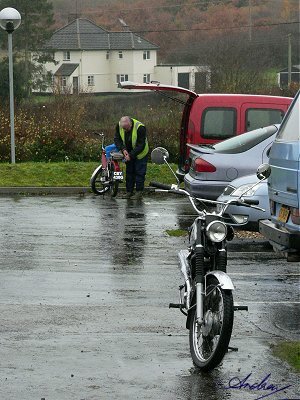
{"x": 184, "y": 80}
{"x": 75, "y": 84}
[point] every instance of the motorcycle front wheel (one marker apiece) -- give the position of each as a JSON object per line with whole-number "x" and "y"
{"x": 209, "y": 341}
{"x": 114, "y": 185}
{"x": 99, "y": 181}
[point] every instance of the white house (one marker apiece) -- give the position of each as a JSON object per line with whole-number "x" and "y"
{"x": 91, "y": 59}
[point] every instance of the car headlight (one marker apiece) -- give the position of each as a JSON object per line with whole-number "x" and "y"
{"x": 216, "y": 231}
{"x": 246, "y": 190}
{"x": 239, "y": 219}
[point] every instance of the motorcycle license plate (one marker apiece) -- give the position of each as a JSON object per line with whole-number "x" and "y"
{"x": 283, "y": 214}
{"x": 118, "y": 176}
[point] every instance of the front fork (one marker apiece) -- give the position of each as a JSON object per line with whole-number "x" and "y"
{"x": 199, "y": 279}
{"x": 199, "y": 304}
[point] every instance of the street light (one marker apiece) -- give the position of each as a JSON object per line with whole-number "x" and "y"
{"x": 10, "y": 20}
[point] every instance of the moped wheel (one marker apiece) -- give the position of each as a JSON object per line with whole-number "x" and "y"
{"x": 114, "y": 185}
{"x": 99, "y": 183}
{"x": 209, "y": 341}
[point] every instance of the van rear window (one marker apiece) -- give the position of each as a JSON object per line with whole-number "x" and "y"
{"x": 259, "y": 117}
{"x": 290, "y": 128}
{"x": 218, "y": 123}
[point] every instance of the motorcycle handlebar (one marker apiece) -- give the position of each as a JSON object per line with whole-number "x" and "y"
{"x": 170, "y": 189}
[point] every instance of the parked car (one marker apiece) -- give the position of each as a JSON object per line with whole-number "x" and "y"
{"x": 283, "y": 230}
{"x": 212, "y": 168}
{"x": 210, "y": 118}
{"x": 250, "y": 217}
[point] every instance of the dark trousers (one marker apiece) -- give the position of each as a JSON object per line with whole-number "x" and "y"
{"x": 135, "y": 174}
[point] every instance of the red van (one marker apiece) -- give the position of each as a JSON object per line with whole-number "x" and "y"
{"x": 210, "y": 118}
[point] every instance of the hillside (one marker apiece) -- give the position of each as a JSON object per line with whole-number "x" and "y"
{"x": 186, "y": 30}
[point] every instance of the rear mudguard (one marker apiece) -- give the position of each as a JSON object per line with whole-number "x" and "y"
{"x": 224, "y": 281}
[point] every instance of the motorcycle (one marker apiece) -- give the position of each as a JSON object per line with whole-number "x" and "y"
{"x": 108, "y": 175}
{"x": 206, "y": 296}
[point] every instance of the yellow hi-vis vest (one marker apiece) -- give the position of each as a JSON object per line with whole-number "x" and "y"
{"x": 136, "y": 125}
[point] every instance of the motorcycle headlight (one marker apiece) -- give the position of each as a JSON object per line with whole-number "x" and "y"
{"x": 216, "y": 231}
{"x": 245, "y": 190}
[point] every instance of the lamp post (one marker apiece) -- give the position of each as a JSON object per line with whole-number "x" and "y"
{"x": 10, "y": 20}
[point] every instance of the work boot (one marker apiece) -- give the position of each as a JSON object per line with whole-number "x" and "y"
{"x": 128, "y": 195}
{"x": 138, "y": 195}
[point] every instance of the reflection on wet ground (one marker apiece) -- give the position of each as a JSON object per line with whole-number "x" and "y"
{"x": 84, "y": 292}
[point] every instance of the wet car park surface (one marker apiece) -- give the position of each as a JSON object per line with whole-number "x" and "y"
{"x": 85, "y": 287}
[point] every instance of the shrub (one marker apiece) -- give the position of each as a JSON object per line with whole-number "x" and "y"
{"x": 62, "y": 126}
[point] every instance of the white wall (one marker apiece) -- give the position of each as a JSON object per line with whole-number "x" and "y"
{"x": 168, "y": 75}
{"x": 104, "y": 70}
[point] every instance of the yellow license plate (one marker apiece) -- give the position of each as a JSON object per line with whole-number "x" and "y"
{"x": 283, "y": 214}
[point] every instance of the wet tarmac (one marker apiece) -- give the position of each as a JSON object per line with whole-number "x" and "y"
{"x": 85, "y": 284}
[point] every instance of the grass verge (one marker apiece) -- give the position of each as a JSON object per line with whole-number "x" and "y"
{"x": 176, "y": 232}
{"x": 288, "y": 351}
{"x": 66, "y": 174}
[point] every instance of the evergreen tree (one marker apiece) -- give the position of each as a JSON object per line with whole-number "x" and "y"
{"x": 30, "y": 37}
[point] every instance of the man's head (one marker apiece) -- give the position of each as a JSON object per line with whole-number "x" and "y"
{"x": 126, "y": 123}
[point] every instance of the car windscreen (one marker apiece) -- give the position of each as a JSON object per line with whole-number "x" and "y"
{"x": 245, "y": 141}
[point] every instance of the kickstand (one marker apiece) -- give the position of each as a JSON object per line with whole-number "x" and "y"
{"x": 233, "y": 348}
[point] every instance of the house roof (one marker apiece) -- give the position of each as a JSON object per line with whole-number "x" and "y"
{"x": 66, "y": 69}
{"x": 295, "y": 68}
{"x": 83, "y": 34}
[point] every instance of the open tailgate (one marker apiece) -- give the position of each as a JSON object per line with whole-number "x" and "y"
{"x": 156, "y": 86}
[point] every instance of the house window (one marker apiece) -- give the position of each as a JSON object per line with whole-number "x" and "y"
{"x": 146, "y": 55}
{"x": 67, "y": 55}
{"x": 107, "y": 55}
{"x": 120, "y": 54}
{"x": 63, "y": 81}
{"x": 146, "y": 78}
{"x": 91, "y": 81}
{"x": 122, "y": 78}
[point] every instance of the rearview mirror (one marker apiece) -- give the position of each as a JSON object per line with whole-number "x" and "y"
{"x": 263, "y": 171}
{"x": 159, "y": 155}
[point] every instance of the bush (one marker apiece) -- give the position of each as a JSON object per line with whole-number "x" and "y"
{"x": 61, "y": 127}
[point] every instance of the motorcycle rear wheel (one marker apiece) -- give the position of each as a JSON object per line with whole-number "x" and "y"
{"x": 209, "y": 342}
{"x": 99, "y": 182}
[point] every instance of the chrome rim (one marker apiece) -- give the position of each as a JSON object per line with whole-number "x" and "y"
{"x": 101, "y": 182}
{"x": 206, "y": 336}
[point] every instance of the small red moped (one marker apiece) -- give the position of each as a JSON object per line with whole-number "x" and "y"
{"x": 108, "y": 175}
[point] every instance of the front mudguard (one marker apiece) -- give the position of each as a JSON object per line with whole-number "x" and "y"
{"x": 224, "y": 281}
{"x": 95, "y": 173}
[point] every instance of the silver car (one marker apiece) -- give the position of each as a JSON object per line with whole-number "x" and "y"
{"x": 213, "y": 167}
{"x": 247, "y": 215}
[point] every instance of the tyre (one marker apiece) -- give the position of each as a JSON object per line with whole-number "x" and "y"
{"x": 99, "y": 181}
{"x": 114, "y": 185}
{"x": 209, "y": 341}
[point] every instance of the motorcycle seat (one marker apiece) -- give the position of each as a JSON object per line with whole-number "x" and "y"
{"x": 117, "y": 156}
